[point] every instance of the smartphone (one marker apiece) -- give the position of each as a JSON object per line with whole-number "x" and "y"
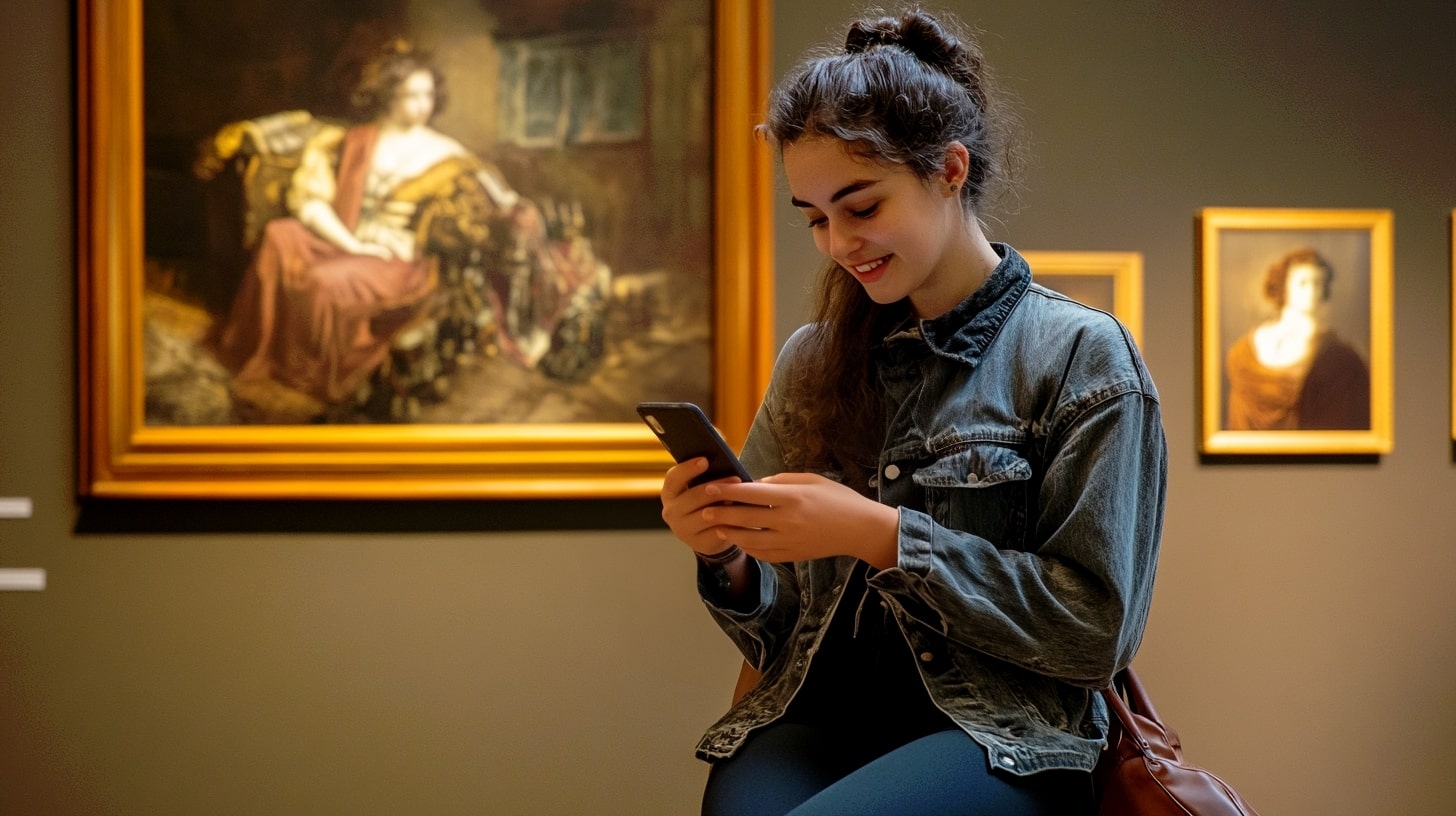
{"x": 685, "y": 431}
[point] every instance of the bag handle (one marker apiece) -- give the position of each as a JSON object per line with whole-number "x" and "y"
{"x": 1127, "y": 681}
{"x": 1137, "y": 695}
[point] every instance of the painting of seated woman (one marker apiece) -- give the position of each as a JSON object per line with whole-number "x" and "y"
{"x": 359, "y": 263}
{"x": 382, "y": 226}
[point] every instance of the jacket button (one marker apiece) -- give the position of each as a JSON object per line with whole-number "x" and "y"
{"x": 892, "y": 472}
{"x": 926, "y": 657}
{"x": 1008, "y": 762}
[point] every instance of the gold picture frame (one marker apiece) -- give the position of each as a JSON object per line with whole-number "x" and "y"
{"x": 1110, "y": 281}
{"x": 1295, "y": 331}
{"x": 124, "y": 455}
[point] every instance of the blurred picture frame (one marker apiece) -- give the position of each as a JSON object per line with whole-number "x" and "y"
{"x": 718, "y": 53}
{"x": 1295, "y": 331}
{"x": 1110, "y": 281}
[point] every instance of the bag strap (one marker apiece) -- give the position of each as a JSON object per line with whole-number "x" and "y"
{"x": 1127, "y": 682}
{"x": 1137, "y": 696}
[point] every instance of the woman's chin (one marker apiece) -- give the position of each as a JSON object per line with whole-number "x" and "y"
{"x": 883, "y": 295}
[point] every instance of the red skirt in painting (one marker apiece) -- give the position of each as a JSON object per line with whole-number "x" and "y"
{"x": 316, "y": 318}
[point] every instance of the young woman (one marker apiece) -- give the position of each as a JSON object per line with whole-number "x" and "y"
{"x": 952, "y": 539}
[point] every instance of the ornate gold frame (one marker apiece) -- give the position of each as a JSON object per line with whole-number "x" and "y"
{"x": 121, "y": 457}
{"x": 1124, "y": 269}
{"x": 1377, "y": 227}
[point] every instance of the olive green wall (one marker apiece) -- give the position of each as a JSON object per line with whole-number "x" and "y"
{"x": 1301, "y": 638}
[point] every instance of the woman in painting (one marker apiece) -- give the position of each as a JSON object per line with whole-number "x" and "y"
{"x": 952, "y": 535}
{"x": 1293, "y": 372}
{"x": 331, "y": 283}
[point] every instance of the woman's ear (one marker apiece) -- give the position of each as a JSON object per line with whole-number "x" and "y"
{"x": 957, "y": 167}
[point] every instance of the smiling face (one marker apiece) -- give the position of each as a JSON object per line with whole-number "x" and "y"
{"x": 890, "y": 229}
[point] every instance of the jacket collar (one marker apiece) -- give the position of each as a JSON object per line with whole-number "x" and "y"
{"x": 965, "y": 331}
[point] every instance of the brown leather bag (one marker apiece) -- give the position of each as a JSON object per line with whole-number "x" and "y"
{"x": 1142, "y": 772}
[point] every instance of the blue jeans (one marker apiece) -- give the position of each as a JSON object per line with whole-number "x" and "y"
{"x": 794, "y": 769}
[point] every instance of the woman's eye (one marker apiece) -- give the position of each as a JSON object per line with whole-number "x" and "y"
{"x": 866, "y": 212}
{"x": 814, "y": 223}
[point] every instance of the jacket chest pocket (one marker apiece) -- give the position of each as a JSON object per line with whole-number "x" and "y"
{"x": 983, "y": 489}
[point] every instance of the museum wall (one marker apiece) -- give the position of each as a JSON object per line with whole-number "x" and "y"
{"x": 463, "y": 658}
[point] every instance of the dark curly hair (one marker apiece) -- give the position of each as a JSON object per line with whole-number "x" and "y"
{"x": 383, "y": 75}
{"x": 899, "y": 90}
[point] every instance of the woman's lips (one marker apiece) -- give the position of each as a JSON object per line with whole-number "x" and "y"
{"x": 871, "y": 271}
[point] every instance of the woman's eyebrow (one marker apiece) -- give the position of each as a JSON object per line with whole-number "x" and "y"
{"x": 841, "y": 193}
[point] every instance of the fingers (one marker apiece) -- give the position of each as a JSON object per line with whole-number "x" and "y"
{"x": 762, "y": 493}
{"x": 682, "y": 504}
{"x": 694, "y": 512}
{"x": 678, "y": 477}
{"x": 765, "y": 545}
{"x": 748, "y": 516}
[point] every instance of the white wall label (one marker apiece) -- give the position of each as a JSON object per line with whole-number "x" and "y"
{"x": 14, "y": 508}
{"x": 22, "y": 580}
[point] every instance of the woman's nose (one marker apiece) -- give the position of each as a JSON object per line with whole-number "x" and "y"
{"x": 843, "y": 240}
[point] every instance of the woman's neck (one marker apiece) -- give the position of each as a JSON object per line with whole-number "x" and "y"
{"x": 391, "y": 128}
{"x": 967, "y": 263}
{"x": 1297, "y": 320}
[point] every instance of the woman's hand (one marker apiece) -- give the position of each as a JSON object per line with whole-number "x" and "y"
{"x": 798, "y": 516}
{"x": 683, "y": 506}
{"x": 398, "y": 243}
{"x": 383, "y": 242}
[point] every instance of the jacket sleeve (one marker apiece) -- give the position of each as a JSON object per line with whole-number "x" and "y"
{"x": 1073, "y": 603}
{"x": 760, "y": 625}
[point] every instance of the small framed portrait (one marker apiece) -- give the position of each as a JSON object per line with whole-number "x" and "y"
{"x": 1110, "y": 281}
{"x": 1295, "y": 334}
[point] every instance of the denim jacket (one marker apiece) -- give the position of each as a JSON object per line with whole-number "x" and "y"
{"x": 1025, "y": 452}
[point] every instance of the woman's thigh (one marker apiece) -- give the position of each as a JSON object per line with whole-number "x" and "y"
{"x": 775, "y": 769}
{"x": 946, "y": 774}
{"x": 804, "y": 770}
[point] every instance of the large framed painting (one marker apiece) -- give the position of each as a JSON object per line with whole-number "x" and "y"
{"x": 1295, "y": 334}
{"x": 1110, "y": 281}
{"x": 415, "y": 248}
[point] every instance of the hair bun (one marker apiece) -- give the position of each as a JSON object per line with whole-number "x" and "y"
{"x": 866, "y": 34}
{"x": 915, "y": 32}
{"x": 923, "y": 36}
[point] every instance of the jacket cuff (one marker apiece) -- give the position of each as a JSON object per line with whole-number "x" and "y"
{"x": 751, "y": 603}
{"x": 916, "y": 531}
